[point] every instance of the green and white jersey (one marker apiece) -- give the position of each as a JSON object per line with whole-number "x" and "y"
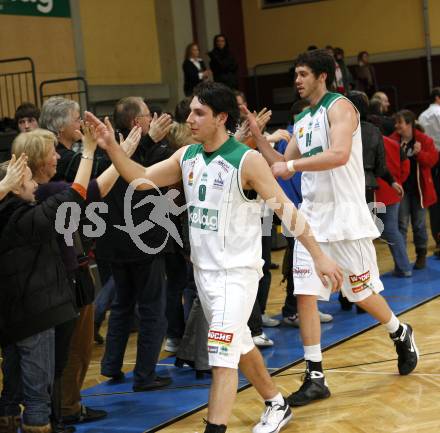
{"x": 333, "y": 200}
{"x": 224, "y": 226}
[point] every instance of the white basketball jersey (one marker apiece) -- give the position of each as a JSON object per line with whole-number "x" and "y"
{"x": 224, "y": 226}
{"x": 333, "y": 200}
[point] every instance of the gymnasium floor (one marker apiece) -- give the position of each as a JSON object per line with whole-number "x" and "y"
{"x": 367, "y": 394}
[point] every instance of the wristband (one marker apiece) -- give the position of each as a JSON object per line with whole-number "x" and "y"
{"x": 87, "y": 157}
{"x": 290, "y": 166}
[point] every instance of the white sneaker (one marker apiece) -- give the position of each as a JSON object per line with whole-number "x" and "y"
{"x": 262, "y": 340}
{"x": 172, "y": 344}
{"x": 324, "y": 317}
{"x": 274, "y": 418}
{"x": 269, "y": 322}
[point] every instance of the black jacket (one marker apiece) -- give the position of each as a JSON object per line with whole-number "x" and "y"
{"x": 117, "y": 245}
{"x": 373, "y": 154}
{"x": 224, "y": 67}
{"x": 191, "y": 75}
{"x": 35, "y": 294}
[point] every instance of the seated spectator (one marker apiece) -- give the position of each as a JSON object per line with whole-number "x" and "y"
{"x": 43, "y": 299}
{"x": 430, "y": 121}
{"x": 223, "y": 64}
{"x": 194, "y": 69}
{"x": 26, "y": 116}
{"x": 365, "y": 74}
{"x": 419, "y": 188}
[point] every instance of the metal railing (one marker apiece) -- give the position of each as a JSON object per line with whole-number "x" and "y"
{"x": 80, "y": 93}
{"x": 17, "y": 84}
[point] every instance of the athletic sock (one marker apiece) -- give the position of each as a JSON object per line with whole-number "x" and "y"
{"x": 214, "y": 428}
{"x": 394, "y": 326}
{"x": 313, "y": 357}
{"x": 278, "y": 399}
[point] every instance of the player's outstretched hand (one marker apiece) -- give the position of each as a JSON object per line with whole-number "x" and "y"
{"x": 130, "y": 144}
{"x": 329, "y": 272}
{"x": 279, "y": 169}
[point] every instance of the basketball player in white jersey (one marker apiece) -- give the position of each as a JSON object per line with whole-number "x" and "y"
{"x": 326, "y": 146}
{"x": 225, "y": 237}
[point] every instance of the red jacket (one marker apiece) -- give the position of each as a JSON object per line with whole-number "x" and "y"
{"x": 386, "y": 194}
{"x": 426, "y": 159}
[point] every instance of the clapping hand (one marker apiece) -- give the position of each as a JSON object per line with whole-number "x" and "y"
{"x": 130, "y": 144}
{"x": 15, "y": 172}
{"x": 160, "y": 127}
{"x": 278, "y": 135}
{"x": 89, "y": 138}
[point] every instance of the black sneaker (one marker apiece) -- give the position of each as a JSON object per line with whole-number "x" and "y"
{"x": 86, "y": 414}
{"x": 407, "y": 352}
{"x": 158, "y": 382}
{"x": 313, "y": 388}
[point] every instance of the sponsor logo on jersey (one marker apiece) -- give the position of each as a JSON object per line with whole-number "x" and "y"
{"x": 218, "y": 181}
{"x": 218, "y": 337}
{"x": 316, "y": 126}
{"x": 301, "y": 132}
{"x": 302, "y": 271}
{"x": 204, "y": 178}
{"x": 191, "y": 178}
{"x": 203, "y": 218}
{"x": 223, "y": 165}
{"x": 359, "y": 282}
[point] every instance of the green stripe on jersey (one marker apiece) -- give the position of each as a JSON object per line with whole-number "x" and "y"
{"x": 312, "y": 152}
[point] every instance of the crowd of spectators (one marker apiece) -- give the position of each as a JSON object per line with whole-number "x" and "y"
{"x": 46, "y": 354}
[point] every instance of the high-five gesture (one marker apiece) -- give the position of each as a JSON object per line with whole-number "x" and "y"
{"x": 160, "y": 127}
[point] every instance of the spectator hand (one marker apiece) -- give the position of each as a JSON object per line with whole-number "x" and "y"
{"x": 104, "y": 131}
{"x": 14, "y": 173}
{"x": 243, "y": 131}
{"x": 279, "y": 169}
{"x": 160, "y": 127}
{"x": 417, "y": 147}
{"x": 89, "y": 138}
{"x": 263, "y": 118}
{"x": 278, "y": 135}
{"x": 398, "y": 189}
{"x": 130, "y": 144}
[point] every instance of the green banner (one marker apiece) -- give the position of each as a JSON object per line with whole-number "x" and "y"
{"x": 36, "y": 8}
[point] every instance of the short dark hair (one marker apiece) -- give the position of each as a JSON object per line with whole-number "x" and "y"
{"x": 361, "y": 54}
{"x": 360, "y": 101}
{"x": 320, "y": 62}
{"x": 220, "y": 99}
{"x": 27, "y": 109}
{"x": 407, "y": 115}
{"x": 125, "y": 112}
{"x": 297, "y": 108}
{"x": 182, "y": 110}
{"x": 435, "y": 93}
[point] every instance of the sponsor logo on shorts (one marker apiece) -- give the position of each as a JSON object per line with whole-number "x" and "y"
{"x": 224, "y": 350}
{"x": 217, "y": 337}
{"x": 359, "y": 282}
{"x": 302, "y": 271}
{"x": 213, "y": 349}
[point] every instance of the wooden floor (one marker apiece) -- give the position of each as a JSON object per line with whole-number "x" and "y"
{"x": 367, "y": 394}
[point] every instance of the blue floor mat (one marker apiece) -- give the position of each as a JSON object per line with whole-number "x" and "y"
{"x": 130, "y": 412}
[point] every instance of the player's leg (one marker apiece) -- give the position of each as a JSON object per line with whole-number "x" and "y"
{"x": 308, "y": 289}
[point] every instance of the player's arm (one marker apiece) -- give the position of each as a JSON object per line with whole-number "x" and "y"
{"x": 167, "y": 172}
{"x": 269, "y": 153}
{"x": 256, "y": 174}
{"x": 343, "y": 123}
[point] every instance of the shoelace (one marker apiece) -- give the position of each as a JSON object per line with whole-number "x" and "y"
{"x": 270, "y": 413}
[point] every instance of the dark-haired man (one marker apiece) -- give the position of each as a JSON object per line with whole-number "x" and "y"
{"x": 26, "y": 116}
{"x": 326, "y": 146}
{"x": 225, "y": 238}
